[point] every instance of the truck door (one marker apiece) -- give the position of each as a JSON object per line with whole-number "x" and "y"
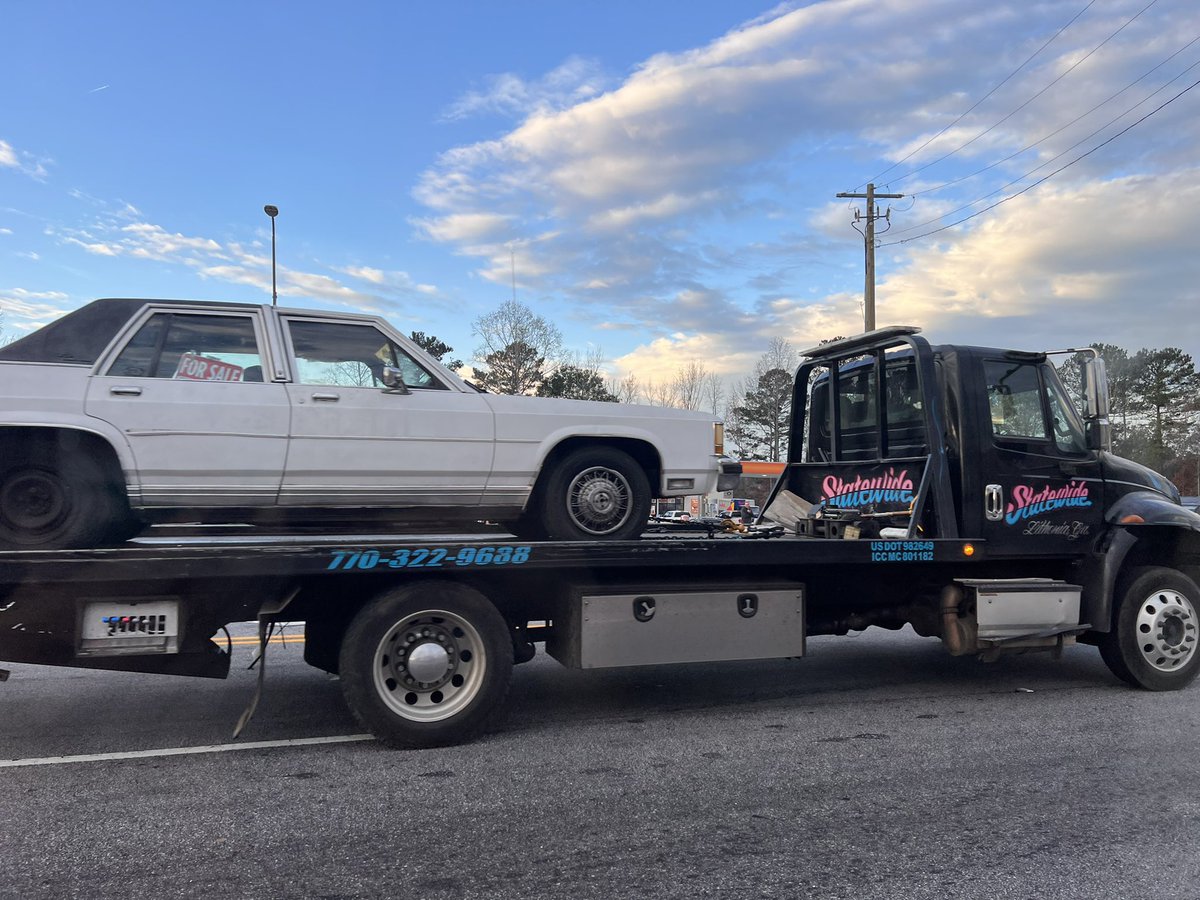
{"x": 1042, "y": 492}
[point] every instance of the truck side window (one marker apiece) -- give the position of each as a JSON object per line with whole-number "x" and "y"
{"x": 192, "y": 347}
{"x": 1015, "y": 400}
{"x": 349, "y": 355}
{"x": 1068, "y": 430}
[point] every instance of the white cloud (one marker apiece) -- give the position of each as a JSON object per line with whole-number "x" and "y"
{"x": 25, "y": 163}
{"x": 1068, "y": 264}
{"x": 508, "y": 94}
{"x": 115, "y": 235}
{"x": 469, "y": 227}
{"x": 32, "y": 308}
{"x": 695, "y": 197}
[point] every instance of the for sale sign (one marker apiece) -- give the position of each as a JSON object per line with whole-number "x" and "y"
{"x": 194, "y": 367}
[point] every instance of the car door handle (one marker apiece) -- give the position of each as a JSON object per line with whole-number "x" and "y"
{"x": 326, "y": 396}
{"x": 127, "y": 390}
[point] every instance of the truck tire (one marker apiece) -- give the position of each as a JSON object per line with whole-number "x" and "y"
{"x": 1155, "y": 639}
{"x": 53, "y": 506}
{"x": 595, "y": 493}
{"x": 426, "y": 665}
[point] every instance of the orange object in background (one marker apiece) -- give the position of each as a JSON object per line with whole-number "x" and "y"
{"x": 762, "y": 468}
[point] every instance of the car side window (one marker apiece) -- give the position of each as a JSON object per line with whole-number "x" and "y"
{"x": 351, "y": 355}
{"x": 192, "y": 347}
{"x": 1015, "y": 400}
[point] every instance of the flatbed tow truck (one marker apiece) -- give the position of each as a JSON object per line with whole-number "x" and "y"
{"x": 952, "y": 489}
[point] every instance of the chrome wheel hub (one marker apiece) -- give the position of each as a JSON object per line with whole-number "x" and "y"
{"x": 429, "y": 666}
{"x": 1167, "y": 630}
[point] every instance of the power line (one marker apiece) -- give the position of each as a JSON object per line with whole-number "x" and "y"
{"x": 1052, "y": 174}
{"x": 1009, "y": 115}
{"x": 1001, "y": 84}
{"x": 1059, "y": 155}
{"x": 1078, "y": 118}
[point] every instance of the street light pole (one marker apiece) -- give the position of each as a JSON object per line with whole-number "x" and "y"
{"x": 272, "y": 211}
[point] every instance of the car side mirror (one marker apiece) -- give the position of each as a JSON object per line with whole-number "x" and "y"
{"x": 393, "y": 381}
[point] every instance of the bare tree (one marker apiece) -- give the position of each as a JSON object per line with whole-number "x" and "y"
{"x": 657, "y": 394}
{"x": 690, "y": 385}
{"x": 510, "y": 337}
{"x": 714, "y": 396}
{"x": 627, "y": 389}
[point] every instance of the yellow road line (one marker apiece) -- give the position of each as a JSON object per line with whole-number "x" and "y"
{"x": 252, "y": 641}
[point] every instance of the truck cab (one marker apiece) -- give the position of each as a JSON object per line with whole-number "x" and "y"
{"x": 900, "y": 442}
{"x": 895, "y": 435}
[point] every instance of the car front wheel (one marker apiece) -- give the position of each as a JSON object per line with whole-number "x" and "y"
{"x": 595, "y": 493}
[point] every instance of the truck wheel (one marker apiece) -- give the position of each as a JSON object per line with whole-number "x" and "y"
{"x": 49, "y": 507}
{"x": 1156, "y": 634}
{"x": 426, "y": 665}
{"x": 596, "y": 492}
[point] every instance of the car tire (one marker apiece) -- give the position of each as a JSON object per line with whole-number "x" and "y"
{"x": 426, "y": 665}
{"x": 595, "y": 493}
{"x": 1155, "y": 639}
{"x": 53, "y": 506}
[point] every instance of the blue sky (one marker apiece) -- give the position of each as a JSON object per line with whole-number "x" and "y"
{"x": 663, "y": 174}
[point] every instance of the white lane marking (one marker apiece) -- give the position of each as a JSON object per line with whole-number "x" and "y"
{"x": 182, "y": 751}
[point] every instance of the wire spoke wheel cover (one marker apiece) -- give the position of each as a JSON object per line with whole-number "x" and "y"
{"x": 1166, "y": 626}
{"x": 593, "y": 493}
{"x": 599, "y": 500}
{"x": 429, "y": 666}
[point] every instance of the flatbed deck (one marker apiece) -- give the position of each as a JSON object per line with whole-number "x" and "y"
{"x": 256, "y": 556}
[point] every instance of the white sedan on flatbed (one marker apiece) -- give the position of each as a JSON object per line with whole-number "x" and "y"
{"x": 128, "y": 411}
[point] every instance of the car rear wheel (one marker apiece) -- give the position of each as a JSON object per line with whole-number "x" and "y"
{"x": 49, "y": 506}
{"x": 596, "y": 493}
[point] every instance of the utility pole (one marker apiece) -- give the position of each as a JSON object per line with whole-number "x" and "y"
{"x": 869, "y": 240}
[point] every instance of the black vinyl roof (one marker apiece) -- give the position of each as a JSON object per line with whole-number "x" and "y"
{"x": 79, "y": 337}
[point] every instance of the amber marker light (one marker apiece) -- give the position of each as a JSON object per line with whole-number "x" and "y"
{"x": 968, "y": 549}
{"x": 1132, "y": 519}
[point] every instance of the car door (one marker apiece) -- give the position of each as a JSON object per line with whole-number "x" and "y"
{"x": 185, "y": 387}
{"x": 355, "y": 443}
{"x": 1043, "y": 489}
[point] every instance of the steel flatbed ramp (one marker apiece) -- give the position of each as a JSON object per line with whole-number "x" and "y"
{"x": 406, "y": 556}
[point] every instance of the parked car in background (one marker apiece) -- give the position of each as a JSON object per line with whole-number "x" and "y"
{"x": 132, "y": 410}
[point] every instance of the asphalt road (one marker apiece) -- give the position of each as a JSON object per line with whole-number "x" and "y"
{"x": 877, "y": 767}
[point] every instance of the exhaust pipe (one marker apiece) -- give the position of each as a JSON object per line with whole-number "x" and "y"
{"x": 954, "y": 632}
